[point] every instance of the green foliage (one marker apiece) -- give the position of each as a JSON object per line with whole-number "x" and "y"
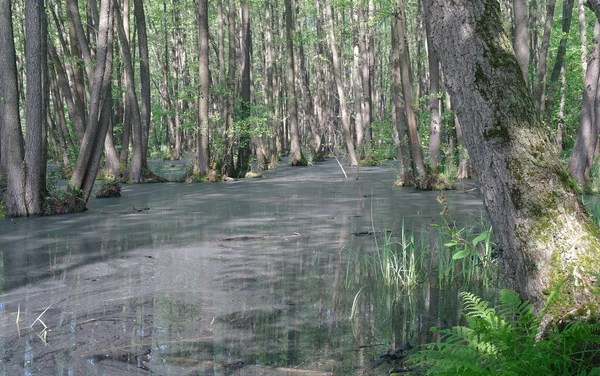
{"x": 504, "y": 341}
{"x": 467, "y": 255}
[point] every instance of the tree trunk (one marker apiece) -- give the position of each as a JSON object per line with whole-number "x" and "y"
{"x": 521, "y": 37}
{"x": 202, "y": 157}
{"x": 582, "y": 35}
{"x": 134, "y": 111}
{"x": 35, "y": 109}
{"x": 337, "y": 73}
{"x": 146, "y": 107}
{"x": 434, "y": 104}
{"x": 567, "y": 14}
{"x": 543, "y": 232}
{"x": 92, "y": 145}
{"x": 295, "y": 151}
{"x": 542, "y": 66}
{"x": 399, "y": 122}
{"x": 587, "y": 133}
{"x": 12, "y": 139}
{"x": 407, "y": 87}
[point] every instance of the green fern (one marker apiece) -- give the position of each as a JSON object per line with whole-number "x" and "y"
{"x": 502, "y": 341}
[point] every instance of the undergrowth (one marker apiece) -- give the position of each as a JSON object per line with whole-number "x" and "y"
{"x": 504, "y": 341}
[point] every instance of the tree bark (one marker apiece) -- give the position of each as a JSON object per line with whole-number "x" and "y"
{"x": 587, "y": 133}
{"x": 202, "y": 156}
{"x": 99, "y": 113}
{"x": 434, "y": 104}
{"x": 12, "y": 139}
{"x": 407, "y": 87}
{"x": 567, "y": 14}
{"x": 35, "y": 109}
{"x": 337, "y": 73}
{"x": 542, "y": 66}
{"x": 137, "y": 162}
{"x": 544, "y": 234}
{"x": 146, "y": 104}
{"x": 295, "y": 151}
{"x": 521, "y": 37}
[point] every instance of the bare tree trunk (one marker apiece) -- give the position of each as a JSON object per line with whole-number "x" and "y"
{"x": 582, "y": 35}
{"x": 567, "y": 14}
{"x": 587, "y": 133}
{"x": 521, "y": 37}
{"x": 146, "y": 107}
{"x": 434, "y": 104}
{"x": 295, "y": 151}
{"x": 137, "y": 163}
{"x": 399, "y": 122}
{"x": 92, "y": 145}
{"x": 12, "y": 139}
{"x": 407, "y": 87}
{"x": 202, "y": 156}
{"x": 542, "y": 66}
{"x": 337, "y": 73}
{"x": 35, "y": 110}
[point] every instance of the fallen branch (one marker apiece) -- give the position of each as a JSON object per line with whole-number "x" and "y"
{"x": 258, "y": 237}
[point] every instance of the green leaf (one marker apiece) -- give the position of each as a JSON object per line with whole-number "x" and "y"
{"x": 479, "y": 238}
{"x": 461, "y": 254}
{"x": 450, "y": 244}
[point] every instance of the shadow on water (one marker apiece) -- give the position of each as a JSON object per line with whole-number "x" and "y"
{"x": 241, "y": 278}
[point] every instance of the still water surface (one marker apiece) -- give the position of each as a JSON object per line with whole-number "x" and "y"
{"x": 251, "y": 277}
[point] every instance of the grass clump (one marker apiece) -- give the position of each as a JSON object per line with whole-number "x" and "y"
{"x": 506, "y": 341}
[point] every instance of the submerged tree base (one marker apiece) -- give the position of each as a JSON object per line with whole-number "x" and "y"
{"x": 433, "y": 182}
{"x": 109, "y": 189}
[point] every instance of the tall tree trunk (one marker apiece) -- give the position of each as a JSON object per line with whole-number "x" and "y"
{"x": 146, "y": 107}
{"x": 567, "y": 14}
{"x": 35, "y": 109}
{"x": 434, "y": 104}
{"x": 366, "y": 50}
{"x": 12, "y": 139}
{"x": 399, "y": 122}
{"x": 134, "y": 111}
{"x": 231, "y": 90}
{"x": 202, "y": 156}
{"x": 99, "y": 114}
{"x": 582, "y": 35}
{"x": 337, "y": 73}
{"x": 521, "y": 37}
{"x": 587, "y": 133}
{"x": 295, "y": 151}
{"x": 407, "y": 87}
{"x": 543, "y": 232}
{"x": 542, "y": 66}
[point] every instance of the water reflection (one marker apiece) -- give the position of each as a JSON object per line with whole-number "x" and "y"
{"x": 156, "y": 291}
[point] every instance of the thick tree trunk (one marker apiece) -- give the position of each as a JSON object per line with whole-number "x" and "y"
{"x": 12, "y": 139}
{"x": 35, "y": 109}
{"x": 202, "y": 157}
{"x": 544, "y": 234}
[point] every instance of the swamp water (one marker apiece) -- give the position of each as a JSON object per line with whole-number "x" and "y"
{"x": 252, "y": 277}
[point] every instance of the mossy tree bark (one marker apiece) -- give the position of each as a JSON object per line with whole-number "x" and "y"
{"x": 544, "y": 233}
